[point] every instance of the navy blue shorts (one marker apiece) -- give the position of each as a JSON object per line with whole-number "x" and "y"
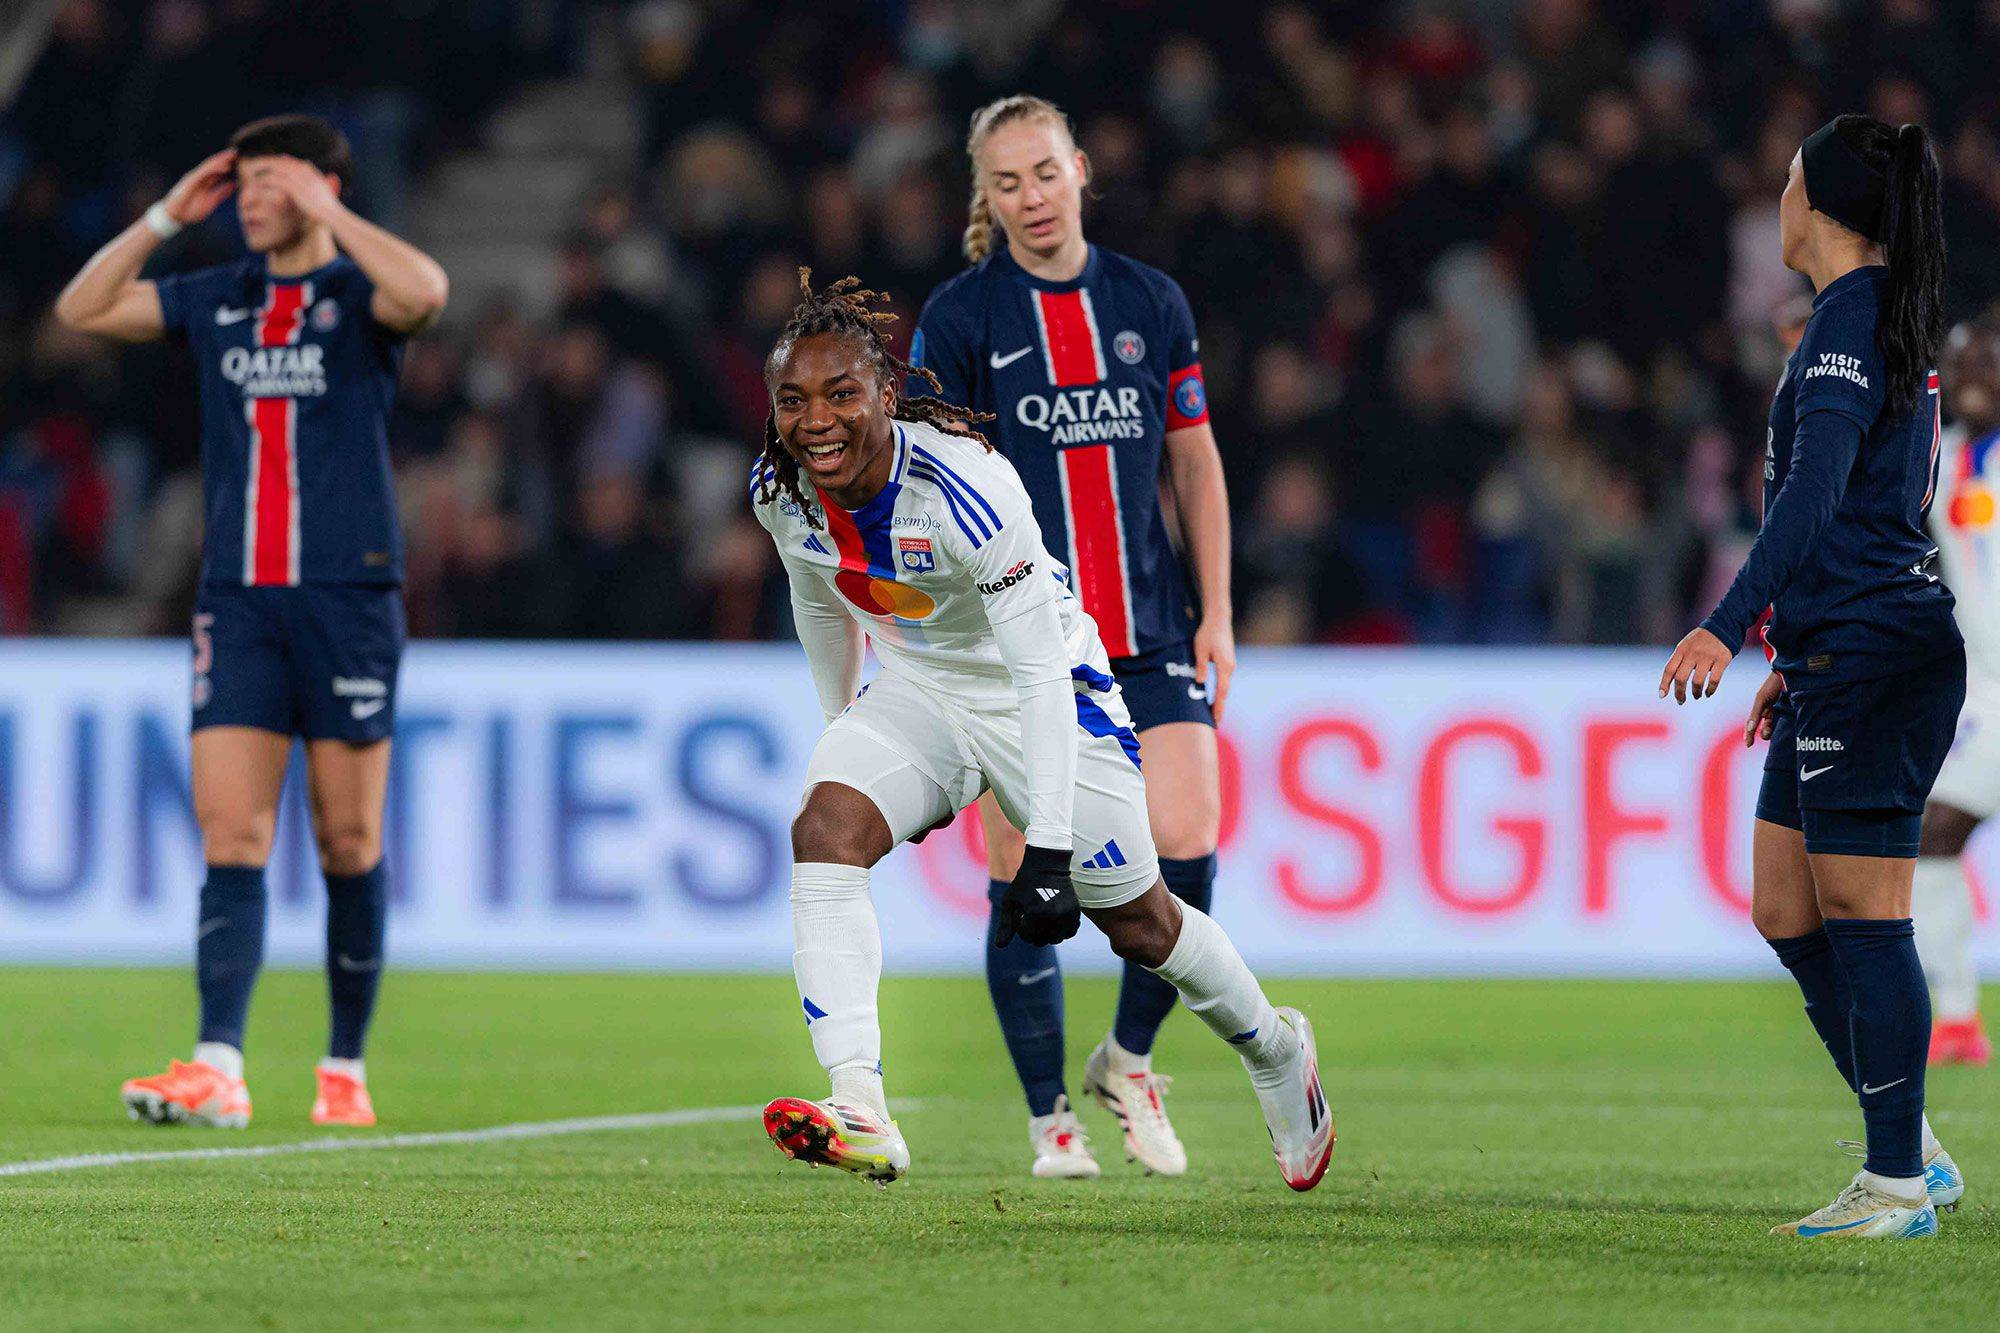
{"x": 1852, "y": 764}
{"x": 1160, "y": 687}
{"x": 317, "y": 661}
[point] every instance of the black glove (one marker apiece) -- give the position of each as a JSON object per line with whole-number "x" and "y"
{"x": 1040, "y": 904}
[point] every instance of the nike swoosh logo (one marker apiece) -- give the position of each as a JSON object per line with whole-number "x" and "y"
{"x": 349, "y": 965}
{"x": 1866, "y": 1090}
{"x": 999, "y": 362}
{"x": 214, "y": 923}
{"x": 1811, "y": 773}
{"x": 1033, "y": 977}
{"x": 369, "y": 709}
{"x": 225, "y": 316}
{"x": 1844, "y": 1226}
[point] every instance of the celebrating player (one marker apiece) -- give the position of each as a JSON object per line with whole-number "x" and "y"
{"x": 298, "y": 629}
{"x": 894, "y": 519}
{"x": 1967, "y": 791}
{"x": 1088, "y": 362}
{"x": 1869, "y": 671}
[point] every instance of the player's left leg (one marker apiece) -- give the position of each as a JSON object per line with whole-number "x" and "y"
{"x": 349, "y": 784}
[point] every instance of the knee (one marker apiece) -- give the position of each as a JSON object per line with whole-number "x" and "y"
{"x": 1782, "y": 920}
{"x": 1188, "y": 829}
{"x": 1145, "y": 936}
{"x": 237, "y": 838}
{"x": 348, "y": 847}
{"x": 823, "y": 832}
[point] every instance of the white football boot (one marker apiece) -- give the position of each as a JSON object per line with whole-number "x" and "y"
{"x": 1943, "y": 1181}
{"x": 1295, "y": 1111}
{"x": 1863, "y": 1212}
{"x": 1136, "y": 1100}
{"x": 838, "y": 1134}
{"x": 1061, "y": 1150}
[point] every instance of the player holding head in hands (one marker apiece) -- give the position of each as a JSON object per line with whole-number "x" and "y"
{"x": 1089, "y": 364}
{"x": 298, "y": 628}
{"x": 1967, "y": 792}
{"x": 1869, "y": 671}
{"x": 896, "y": 522}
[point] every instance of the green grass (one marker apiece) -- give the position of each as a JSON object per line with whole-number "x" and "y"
{"x": 1511, "y": 1155}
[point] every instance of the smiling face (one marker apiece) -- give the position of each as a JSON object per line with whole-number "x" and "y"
{"x": 832, "y": 413}
{"x": 271, "y": 221}
{"x": 1034, "y": 178}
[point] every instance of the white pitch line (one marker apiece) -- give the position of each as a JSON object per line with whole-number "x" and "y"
{"x": 537, "y": 1129}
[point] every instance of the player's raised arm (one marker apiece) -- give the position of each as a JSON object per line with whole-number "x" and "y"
{"x": 410, "y": 287}
{"x": 107, "y": 297}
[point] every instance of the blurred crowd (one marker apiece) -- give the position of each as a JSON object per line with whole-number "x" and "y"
{"x": 1488, "y": 290}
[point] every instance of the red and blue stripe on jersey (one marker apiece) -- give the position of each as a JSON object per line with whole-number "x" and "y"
{"x": 1084, "y": 379}
{"x": 296, "y": 381}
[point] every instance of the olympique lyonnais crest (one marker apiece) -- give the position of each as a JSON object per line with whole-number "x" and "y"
{"x": 916, "y": 554}
{"x": 1131, "y": 348}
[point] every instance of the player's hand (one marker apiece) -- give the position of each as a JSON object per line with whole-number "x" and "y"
{"x": 198, "y": 193}
{"x": 305, "y": 185}
{"x": 1215, "y": 642}
{"x": 1699, "y": 661}
{"x": 1763, "y": 710}
{"x": 1040, "y": 905}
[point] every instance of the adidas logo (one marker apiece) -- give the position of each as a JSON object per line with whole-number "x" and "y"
{"x": 1107, "y": 859}
{"x": 1048, "y": 894}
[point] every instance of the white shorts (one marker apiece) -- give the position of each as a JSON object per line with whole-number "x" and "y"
{"x": 921, "y": 758}
{"x": 1970, "y": 778}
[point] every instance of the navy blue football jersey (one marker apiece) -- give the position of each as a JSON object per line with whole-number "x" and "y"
{"x": 1858, "y": 596}
{"x": 1084, "y": 378}
{"x": 297, "y": 378}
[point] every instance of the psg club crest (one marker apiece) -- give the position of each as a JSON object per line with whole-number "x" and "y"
{"x": 1189, "y": 397}
{"x": 1131, "y": 348}
{"x": 325, "y": 315}
{"x": 916, "y": 553}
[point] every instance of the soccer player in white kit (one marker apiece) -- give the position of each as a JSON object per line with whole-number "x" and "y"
{"x": 896, "y": 522}
{"x": 1967, "y": 791}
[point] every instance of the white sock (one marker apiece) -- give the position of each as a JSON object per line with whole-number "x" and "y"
{"x": 1931, "y": 1144}
{"x": 220, "y": 1054}
{"x": 837, "y": 959}
{"x": 354, "y": 1069}
{"x": 1900, "y": 1187}
{"x": 1217, "y": 988}
{"x": 1123, "y": 1062}
{"x": 1941, "y": 903}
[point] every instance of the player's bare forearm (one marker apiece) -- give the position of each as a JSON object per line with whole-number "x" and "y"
{"x": 1202, "y": 496}
{"x": 106, "y": 296}
{"x": 410, "y": 287}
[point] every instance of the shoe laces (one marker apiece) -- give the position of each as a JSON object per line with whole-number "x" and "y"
{"x": 1153, "y": 1087}
{"x": 1064, "y": 1132}
{"x": 1852, "y": 1147}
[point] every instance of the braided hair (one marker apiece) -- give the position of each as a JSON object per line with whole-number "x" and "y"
{"x": 847, "y": 307}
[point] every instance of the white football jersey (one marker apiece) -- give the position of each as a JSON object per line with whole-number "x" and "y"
{"x": 948, "y": 550}
{"x": 1967, "y": 529}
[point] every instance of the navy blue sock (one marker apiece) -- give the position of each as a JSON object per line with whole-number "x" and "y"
{"x": 1025, "y": 981}
{"x": 1145, "y": 1000}
{"x": 357, "y": 913}
{"x": 1891, "y": 1023}
{"x": 228, "y": 949}
{"x": 1811, "y": 961}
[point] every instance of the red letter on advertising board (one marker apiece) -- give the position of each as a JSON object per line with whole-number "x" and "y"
{"x": 1605, "y": 822}
{"x": 1717, "y": 788}
{"x": 1292, "y": 758}
{"x": 1433, "y": 809}
{"x": 1229, "y": 772}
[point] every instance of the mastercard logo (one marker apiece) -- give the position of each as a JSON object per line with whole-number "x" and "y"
{"x": 884, "y": 597}
{"x": 1972, "y": 508}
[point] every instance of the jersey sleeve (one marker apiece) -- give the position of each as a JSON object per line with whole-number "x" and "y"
{"x": 942, "y": 345}
{"x": 1009, "y": 568}
{"x": 1840, "y": 368}
{"x": 182, "y": 295}
{"x": 1187, "y": 395}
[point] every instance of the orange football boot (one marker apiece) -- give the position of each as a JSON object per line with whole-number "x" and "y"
{"x": 342, "y": 1100}
{"x": 1960, "y": 1041}
{"x": 191, "y": 1094}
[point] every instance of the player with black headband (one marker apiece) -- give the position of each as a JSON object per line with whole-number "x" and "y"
{"x": 1868, "y": 668}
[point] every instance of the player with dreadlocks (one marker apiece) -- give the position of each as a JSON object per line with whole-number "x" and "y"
{"x": 896, "y": 522}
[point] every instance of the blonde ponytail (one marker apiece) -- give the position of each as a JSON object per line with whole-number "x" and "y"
{"x": 977, "y": 242}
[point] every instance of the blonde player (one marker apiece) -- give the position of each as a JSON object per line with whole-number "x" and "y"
{"x": 1967, "y": 791}
{"x": 894, "y": 520}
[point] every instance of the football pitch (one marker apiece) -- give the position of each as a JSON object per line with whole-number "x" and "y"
{"x": 1511, "y": 1154}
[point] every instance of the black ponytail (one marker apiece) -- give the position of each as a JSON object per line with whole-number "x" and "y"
{"x": 1910, "y": 330}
